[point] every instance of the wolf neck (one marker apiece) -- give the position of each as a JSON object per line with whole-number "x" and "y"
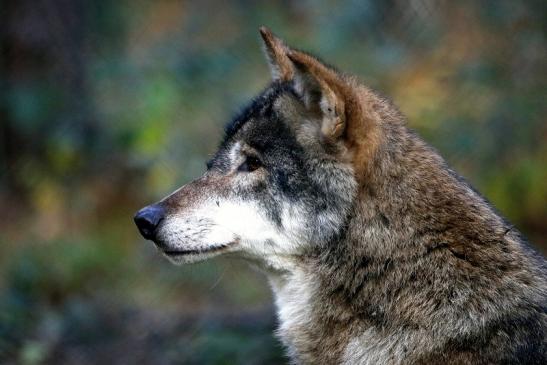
{"x": 410, "y": 217}
{"x": 318, "y": 297}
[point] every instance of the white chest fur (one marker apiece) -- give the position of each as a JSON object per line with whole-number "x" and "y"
{"x": 293, "y": 293}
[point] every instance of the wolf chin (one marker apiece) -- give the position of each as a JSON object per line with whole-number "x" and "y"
{"x": 377, "y": 252}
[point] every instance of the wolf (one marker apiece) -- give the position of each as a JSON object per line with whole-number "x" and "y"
{"x": 377, "y": 252}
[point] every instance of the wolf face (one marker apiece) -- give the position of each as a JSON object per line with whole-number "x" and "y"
{"x": 280, "y": 183}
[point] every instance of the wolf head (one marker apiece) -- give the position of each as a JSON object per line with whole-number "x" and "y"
{"x": 284, "y": 178}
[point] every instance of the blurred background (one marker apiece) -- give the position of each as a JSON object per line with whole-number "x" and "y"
{"x": 107, "y": 106}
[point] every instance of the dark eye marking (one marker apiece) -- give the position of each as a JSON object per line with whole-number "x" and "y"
{"x": 250, "y": 164}
{"x": 209, "y": 164}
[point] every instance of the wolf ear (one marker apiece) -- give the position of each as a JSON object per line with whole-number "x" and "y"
{"x": 276, "y": 51}
{"x": 321, "y": 88}
{"x": 323, "y": 92}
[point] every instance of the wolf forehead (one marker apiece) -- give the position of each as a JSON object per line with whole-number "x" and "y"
{"x": 261, "y": 126}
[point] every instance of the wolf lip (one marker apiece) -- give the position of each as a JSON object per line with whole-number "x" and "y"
{"x": 197, "y": 252}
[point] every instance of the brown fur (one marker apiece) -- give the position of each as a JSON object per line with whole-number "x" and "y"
{"x": 356, "y": 104}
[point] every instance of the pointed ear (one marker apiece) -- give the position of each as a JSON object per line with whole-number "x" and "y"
{"x": 323, "y": 92}
{"x": 276, "y": 51}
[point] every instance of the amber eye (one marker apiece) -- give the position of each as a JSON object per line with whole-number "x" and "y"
{"x": 251, "y": 164}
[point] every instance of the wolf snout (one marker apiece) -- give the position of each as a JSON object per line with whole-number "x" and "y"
{"x": 148, "y": 219}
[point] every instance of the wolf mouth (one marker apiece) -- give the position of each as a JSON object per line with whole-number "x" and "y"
{"x": 199, "y": 251}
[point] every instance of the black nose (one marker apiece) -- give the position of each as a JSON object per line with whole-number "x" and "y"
{"x": 147, "y": 220}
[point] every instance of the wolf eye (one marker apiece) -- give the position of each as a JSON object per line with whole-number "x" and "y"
{"x": 251, "y": 164}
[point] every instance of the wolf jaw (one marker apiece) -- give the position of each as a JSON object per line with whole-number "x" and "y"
{"x": 376, "y": 251}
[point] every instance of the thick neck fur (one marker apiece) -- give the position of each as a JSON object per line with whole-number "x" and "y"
{"x": 425, "y": 271}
